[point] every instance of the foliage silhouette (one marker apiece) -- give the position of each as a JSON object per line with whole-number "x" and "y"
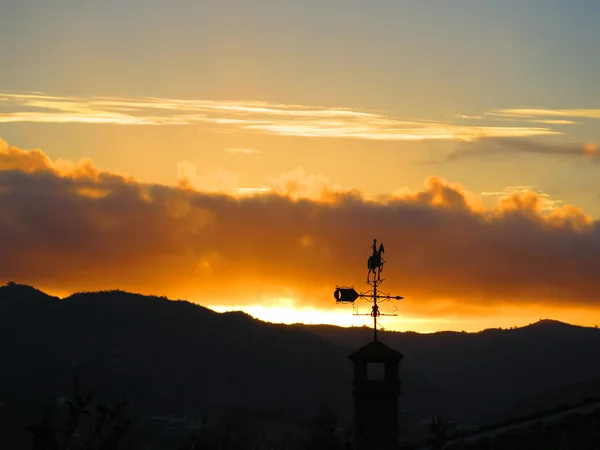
{"x": 440, "y": 429}
{"x": 327, "y": 433}
{"x": 82, "y": 427}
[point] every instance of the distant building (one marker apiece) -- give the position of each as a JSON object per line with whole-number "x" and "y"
{"x": 376, "y": 388}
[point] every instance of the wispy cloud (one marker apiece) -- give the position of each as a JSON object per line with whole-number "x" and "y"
{"x": 513, "y": 146}
{"x": 555, "y": 122}
{"x": 509, "y": 190}
{"x": 533, "y": 113}
{"x": 463, "y": 116}
{"x": 261, "y": 117}
{"x": 241, "y": 151}
{"x": 546, "y": 203}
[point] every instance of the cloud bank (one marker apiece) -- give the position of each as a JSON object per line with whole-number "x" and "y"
{"x": 70, "y": 226}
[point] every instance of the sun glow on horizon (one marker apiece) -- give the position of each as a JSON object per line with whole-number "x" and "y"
{"x": 289, "y": 315}
{"x": 284, "y": 311}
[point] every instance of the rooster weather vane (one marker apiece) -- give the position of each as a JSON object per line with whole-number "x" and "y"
{"x": 349, "y": 295}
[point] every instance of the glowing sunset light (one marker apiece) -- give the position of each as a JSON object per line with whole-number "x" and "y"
{"x": 591, "y": 150}
{"x": 243, "y": 155}
{"x": 286, "y": 315}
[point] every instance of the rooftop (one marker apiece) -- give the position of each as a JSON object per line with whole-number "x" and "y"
{"x": 376, "y": 351}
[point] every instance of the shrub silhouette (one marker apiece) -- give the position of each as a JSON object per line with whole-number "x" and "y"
{"x": 76, "y": 425}
{"x": 441, "y": 432}
{"x": 326, "y": 432}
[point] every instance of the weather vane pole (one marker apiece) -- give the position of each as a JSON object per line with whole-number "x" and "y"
{"x": 349, "y": 294}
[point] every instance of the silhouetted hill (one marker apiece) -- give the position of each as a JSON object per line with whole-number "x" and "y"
{"x": 22, "y": 295}
{"x": 177, "y": 358}
{"x": 169, "y": 357}
{"x": 575, "y": 429}
{"x": 554, "y": 329}
{"x": 564, "y": 395}
{"x": 492, "y": 370}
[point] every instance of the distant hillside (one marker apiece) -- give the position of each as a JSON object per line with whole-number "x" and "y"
{"x": 491, "y": 371}
{"x": 566, "y": 395}
{"x": 571, "y": 430}
{"x": 171, "y": 357}
{"x": 176, "y": 358}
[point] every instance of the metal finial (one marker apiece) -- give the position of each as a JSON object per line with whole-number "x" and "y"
{"x": 349, "y": 295}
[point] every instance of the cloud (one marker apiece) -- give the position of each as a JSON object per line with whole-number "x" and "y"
{"x": 258, "y": 117}
{"x": 554, "y": 122}
{"x": 543, "y": 200}
{"x": 73, "y": 229}
{"x": 463, "y": 116}
{"x": 241, "y": 151}
{"x": 297, "y": 184}
{"x": 208, "y": 180}
{"x": 294, "y": 185}
{"x": 532, "y": 113}
{"x": 510, "y": 146}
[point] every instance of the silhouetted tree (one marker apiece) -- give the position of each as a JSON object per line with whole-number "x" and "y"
{"x": 440, "y": 430}
{"x": 44, "y": 433}
{"x": 202, "y": 441}
{"x": 326, "y": 432}
{"x": 77, "y": 428}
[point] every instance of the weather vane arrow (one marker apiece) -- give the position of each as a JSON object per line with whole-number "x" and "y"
{"x": 350, "y": 295}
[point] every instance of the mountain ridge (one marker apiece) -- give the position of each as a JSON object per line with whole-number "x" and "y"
{"x": 177, "y": 357}
{"x": 12, "y": 287}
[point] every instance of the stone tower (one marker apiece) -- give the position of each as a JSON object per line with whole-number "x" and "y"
{"x": 376, "y": 388}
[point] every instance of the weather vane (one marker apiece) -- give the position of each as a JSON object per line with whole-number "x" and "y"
{"x": 349, "y": 294}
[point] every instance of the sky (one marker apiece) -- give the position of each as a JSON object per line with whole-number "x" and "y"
{"x": 244, "y": 154}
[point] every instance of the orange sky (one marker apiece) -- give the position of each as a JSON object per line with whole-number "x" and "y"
{"x": 245, "y": 154}
{"x": 279, "y": 252}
